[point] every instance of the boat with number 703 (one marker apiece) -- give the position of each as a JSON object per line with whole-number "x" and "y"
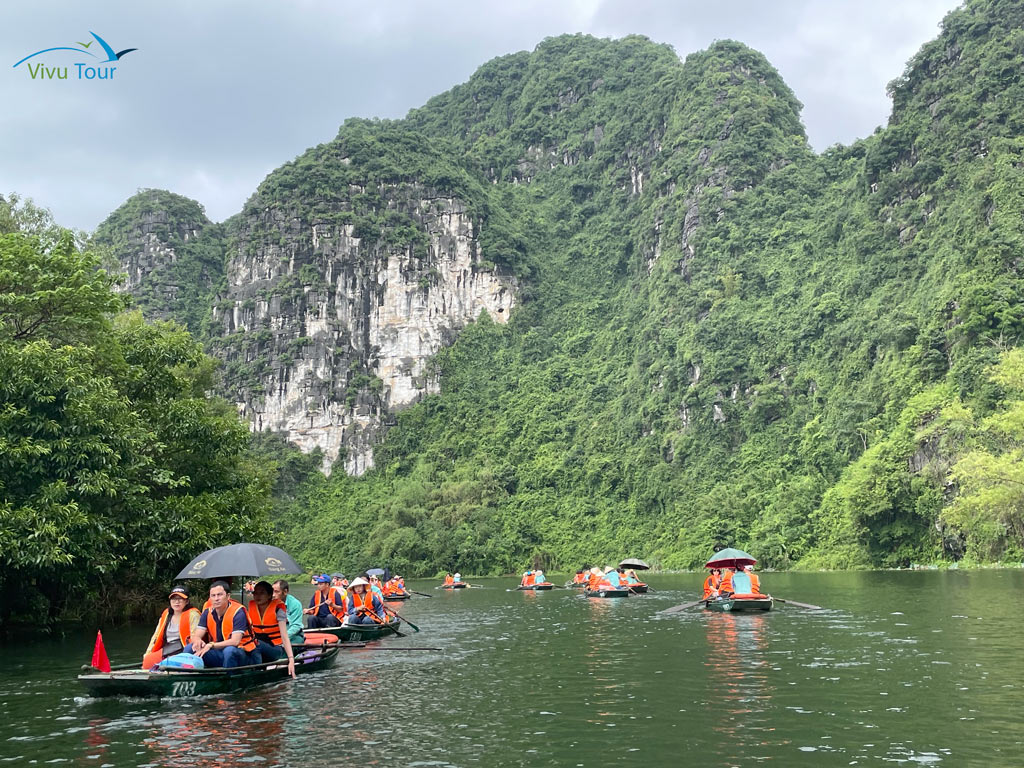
{"x": 176, "y": 683}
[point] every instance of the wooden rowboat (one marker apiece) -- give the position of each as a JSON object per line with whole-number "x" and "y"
{"x": 609, "y": 592}
{"x": 638, "y": 589}
{"x": 177, "y": 683}
{"x": 361, "y": 632}
{"x": 397, "y": 596}
{"x": 543, "y": 587}
{"x": 457, "y": 585}
{"x": 740, "y": 604}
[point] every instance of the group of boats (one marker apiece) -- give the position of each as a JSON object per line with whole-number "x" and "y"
{"x": 322, "y": 647}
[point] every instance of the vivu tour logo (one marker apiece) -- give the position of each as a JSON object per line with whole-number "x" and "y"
{"x": 79, "y": 70}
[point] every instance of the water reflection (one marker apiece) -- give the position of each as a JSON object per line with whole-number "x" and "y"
{"x": 738, "y": 681}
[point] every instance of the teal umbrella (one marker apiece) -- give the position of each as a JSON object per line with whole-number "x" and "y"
{"x": 730, "y": 558}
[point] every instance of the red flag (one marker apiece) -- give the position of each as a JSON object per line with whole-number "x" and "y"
{"x": 99, "y": 654}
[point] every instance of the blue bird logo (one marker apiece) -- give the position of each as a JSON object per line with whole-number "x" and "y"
{"x": 111, "y": 55}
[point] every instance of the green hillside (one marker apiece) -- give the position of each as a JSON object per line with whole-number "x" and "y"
{"x": 725, "y": 338}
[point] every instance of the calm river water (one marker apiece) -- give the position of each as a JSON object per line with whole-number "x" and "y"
{"x": 907, "y": 668}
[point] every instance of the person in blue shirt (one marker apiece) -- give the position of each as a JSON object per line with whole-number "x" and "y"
{"x": 457, "y": 577}
{"x": 538, "y": 577}
{"x": 291, "y": 602}
{"x": 612, "y": 577}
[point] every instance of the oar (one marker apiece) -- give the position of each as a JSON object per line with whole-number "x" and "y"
{"x": 683, "y": 607}
{"x": 798, "y": 605}
{"x": 421, "y": 594}
{"x": 402, "y": 618}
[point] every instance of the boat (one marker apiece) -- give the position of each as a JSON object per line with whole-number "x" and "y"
{"x": 608, "y": 592}
{"x": 542, "y": 587}
{"x": 361, "y": 632}
{"x": 638, "y": 589}
{"x": 456, "y": 585}
{"x": 177, "y": 683}
{"x": 740, "y": 604}
{"x": 397, "y": 596}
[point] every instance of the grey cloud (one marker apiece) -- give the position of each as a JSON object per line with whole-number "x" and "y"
{"x": 221, "y": 93}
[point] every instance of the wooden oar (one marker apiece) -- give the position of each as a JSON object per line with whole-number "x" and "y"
{"x": 683, "y": 607}
{"x": 421, "y": 594}
{"x": 402, "y": 618}
{"x": 798, "y": 605}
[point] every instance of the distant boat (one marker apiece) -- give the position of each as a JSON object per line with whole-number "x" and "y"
{"x": 544, "y": 586}
{"x": 740, "y": 604}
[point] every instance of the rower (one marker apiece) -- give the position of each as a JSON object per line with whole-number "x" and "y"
{"x": 269, "y": 620}
{"x": 223, "y": 637}
{"x": 325, "y": 608}
{"x": 362, "y": 605}
{"x": 612, "y": 577}
{"x": 712, "y": 583}
{"x": 457, "y": 578}
{"x": 538, "y": 577}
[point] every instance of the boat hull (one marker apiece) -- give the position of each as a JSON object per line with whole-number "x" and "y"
{"x": 638, "y": 589}
{"x": 536, "y": 587}
{"x": 391, "y": 598}
{"x": 361, "y": 632}
{"x": 741, "y": 605}
{"x": 183, "y": 683}
{"x": 460, "y": 585}
{"x": 606, "y": 592}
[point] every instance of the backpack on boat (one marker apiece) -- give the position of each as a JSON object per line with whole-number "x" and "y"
{"x": 183, "y": 661}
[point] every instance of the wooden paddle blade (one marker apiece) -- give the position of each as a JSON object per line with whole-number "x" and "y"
{"x": 798, "y": 605}
{"x": 678, "y": 608}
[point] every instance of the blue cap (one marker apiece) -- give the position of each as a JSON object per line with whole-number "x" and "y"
{"x": 323, "y": 579}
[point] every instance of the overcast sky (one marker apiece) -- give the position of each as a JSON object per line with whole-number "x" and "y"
{"x": 221, "y": 92}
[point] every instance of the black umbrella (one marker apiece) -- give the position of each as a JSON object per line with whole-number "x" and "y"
{"x": 730, "y": 558}
{"x": 634, "y": 563}
{"x": 240, "y": 560}
{"x": 381, "y": 573}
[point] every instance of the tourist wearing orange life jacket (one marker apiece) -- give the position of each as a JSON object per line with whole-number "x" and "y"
{"x": 325, "y": 606}
{"x": 223, "y": 637}
{"x": 448, "y": 580}
{"x": 173, "y": 630}
{"x": 527, "y": 580}
{"x": 268, "y": 618}
{"x": 725, "y": 587}
{"x": 363, "y": 606}
{"x": 755, "y": 581}
{"x": 712, "y": 583}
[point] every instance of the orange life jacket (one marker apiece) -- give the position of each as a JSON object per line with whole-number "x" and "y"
{"x": 755, "y": 583}
{"x": 364, "y": 603}
{"x": 594, "y": 580}
{"x": 336, "y": 610}
{"x": 529, "y": 579}
{"x": 265, "y": 625}
{"x": 449, "y": 580}
{"x": 711, "y": 583}
{"x": 726, "y": 585}
{"x": 247, "y": 643}
{"x": 184, "y": 627}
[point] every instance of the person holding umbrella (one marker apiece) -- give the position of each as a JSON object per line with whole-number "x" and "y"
{"x": 223, "y": 637}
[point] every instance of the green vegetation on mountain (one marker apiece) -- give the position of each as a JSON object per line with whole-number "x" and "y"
{"x": 183, "y": 250}
{"x": 728, "y": 340}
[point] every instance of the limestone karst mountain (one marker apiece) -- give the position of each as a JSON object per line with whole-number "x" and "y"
{"x": 653, "y": 319}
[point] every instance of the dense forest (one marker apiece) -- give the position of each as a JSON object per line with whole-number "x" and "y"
{"x": 728, "y": 339}
{"x": 722, "y": 337}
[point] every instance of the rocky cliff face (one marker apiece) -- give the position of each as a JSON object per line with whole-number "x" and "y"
{"x": 170, "y": 253}
{"x": 327, "y": 327}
